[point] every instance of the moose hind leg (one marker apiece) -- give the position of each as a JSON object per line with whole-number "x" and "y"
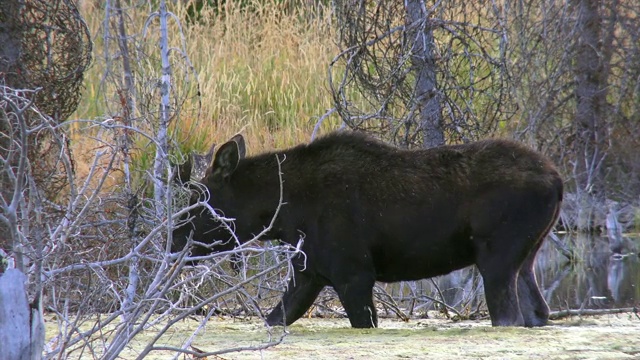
{"x": 533, "y": 306}
{"x": 356, "y": 296}
{"x": 507, "y": 227}
{"x": 500, "y": 289}
{"x": 301, "y": 292}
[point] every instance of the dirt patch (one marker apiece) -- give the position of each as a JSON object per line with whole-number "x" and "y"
{"x": 596, "y": 337}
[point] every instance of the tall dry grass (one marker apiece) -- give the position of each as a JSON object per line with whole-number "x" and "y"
{"x": 262, "y": 71}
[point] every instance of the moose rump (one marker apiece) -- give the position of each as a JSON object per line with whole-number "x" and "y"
{"x": 371, "y": 212}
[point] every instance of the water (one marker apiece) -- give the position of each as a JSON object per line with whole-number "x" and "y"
{"x": 598, "y": 280}
{"x": 595, "y": 280}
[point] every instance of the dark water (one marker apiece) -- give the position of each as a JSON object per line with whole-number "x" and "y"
{"x": 597, "y": 280}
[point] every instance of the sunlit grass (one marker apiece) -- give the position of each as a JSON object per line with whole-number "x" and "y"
{"x": 262, "y": 72}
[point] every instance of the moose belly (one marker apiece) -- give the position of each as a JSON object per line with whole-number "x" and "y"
{"x": 392, "y": 266}
{"x": 411, "y": 249}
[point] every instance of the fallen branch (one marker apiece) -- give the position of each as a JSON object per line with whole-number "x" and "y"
{"x": 556, "y": 315}
{"x": 385, "y": 299}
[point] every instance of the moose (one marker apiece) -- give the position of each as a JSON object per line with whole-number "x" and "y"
{"x": 372, "y": 212}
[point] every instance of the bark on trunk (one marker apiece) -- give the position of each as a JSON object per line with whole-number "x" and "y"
{"x": 11, "y": 30}
{"x": 21, "y": 325}
{"x": 591, "y": 74}
{"x": 424, "y": 67}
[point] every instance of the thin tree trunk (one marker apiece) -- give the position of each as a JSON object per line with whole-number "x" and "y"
{"x": 424, "y": 67}
{"x": 159, "y": 165}
{"x": 11, "y": 30}
{"x": 128, "y": 105}
{"x": 21, "y": 327}
{"x": 591, "y": 115}
{"x": 126, "y": 94}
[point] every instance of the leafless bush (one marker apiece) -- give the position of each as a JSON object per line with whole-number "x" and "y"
{"x": 72, "y": 252}
{"x": 54, "y": 47}
{"x": 576, "y": 79}
{"x": 420, "y": 74}
{"x": 98, "y": 253}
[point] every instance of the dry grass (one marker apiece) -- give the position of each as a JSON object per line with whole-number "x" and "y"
{"x": 263, "y": 72}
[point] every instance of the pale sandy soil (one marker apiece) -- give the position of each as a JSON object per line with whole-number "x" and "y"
{"x": 597, "y": 337}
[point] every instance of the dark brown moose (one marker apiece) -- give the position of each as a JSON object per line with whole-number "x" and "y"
{"x": 371, "y": 212}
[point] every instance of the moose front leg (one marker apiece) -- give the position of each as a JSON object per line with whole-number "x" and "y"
{"x": 301, "y": 292}
{"x": 356, "y": 296}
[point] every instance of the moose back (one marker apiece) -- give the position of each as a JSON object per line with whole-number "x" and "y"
{"x": 371, "y": 212}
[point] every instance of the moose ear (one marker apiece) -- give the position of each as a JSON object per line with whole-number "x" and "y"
{"x": 226, "y": 160}
{"x": 242, "y": 149}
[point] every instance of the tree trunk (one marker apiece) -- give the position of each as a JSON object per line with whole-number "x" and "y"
{"x": 11, "y": 30}
{"x": 21, "y": 326}
{"x": 591, "y": 74}
{"x": 162, "y": 147}
{"x": 424, "y": 67}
